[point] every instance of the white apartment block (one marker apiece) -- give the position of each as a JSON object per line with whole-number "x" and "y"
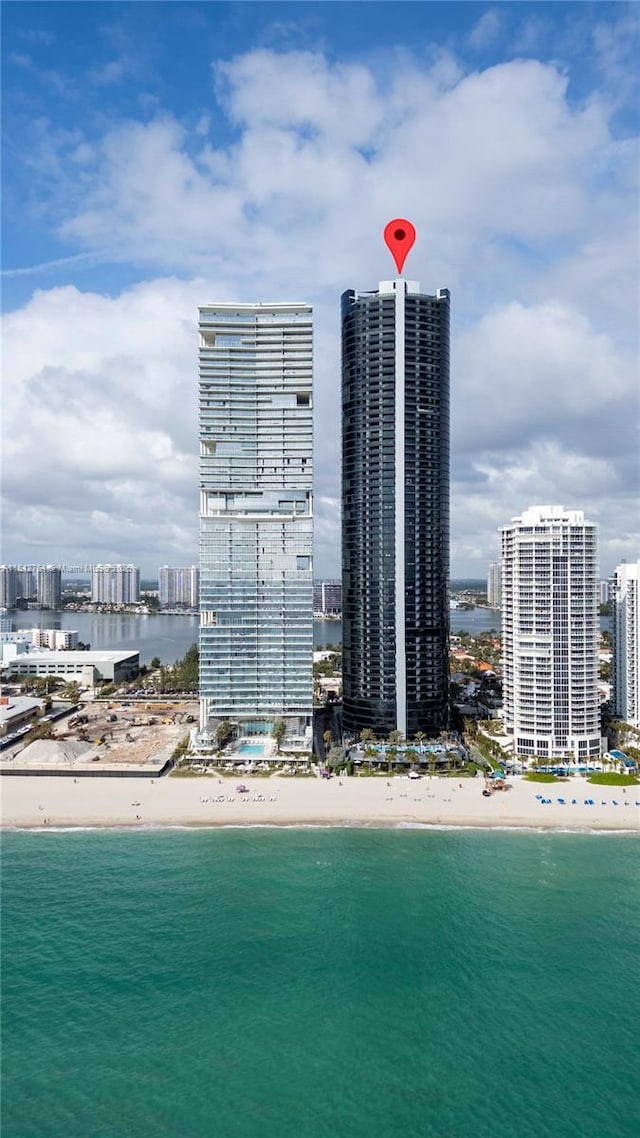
{"x": 494, "y": 585}
{"x": 178, "y": 586}
{"x": 115, "y": 584}
{"x": 550, "y": 633}
{"x": 16, "y": 581}
{"x": 625, "y": 655}
{"x": 605, "y": 592}
{"x": 59, "y": 639}
{"x": 49, "y": 586}
{"x": 256, "y": 519}
{"x": 8, "y": 586}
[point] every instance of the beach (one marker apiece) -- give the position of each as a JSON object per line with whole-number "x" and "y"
{"x": 35, "y": 801}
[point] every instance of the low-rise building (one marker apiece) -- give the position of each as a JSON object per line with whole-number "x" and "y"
{"x": 13, "y": 644}
{"x": 87, "y": 668}
{"x": 16, "y": 710}
{"x": 56, "y": 638}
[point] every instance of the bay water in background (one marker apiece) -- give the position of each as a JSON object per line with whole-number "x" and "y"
{"x": 325, "y": 983}
{"x": 169, "y": 636}
{"x": 166, "y": 636}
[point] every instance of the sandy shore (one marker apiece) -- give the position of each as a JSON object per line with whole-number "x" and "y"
{"x": 29, "y": 801}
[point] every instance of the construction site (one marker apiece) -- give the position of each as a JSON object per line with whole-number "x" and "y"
{"x": 101, "y": 738}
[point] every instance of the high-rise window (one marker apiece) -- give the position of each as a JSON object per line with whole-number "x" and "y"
{"x": 256, "y": 520}
{"x": 625, "y": 593}
{"x": 178, "y": 586}
{"x": 115, "y": 584}
{"x": 395, "y": 509}
{"x": 550, "y": 633}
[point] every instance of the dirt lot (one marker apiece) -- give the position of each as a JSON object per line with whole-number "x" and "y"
{"x": 131, "y": 734}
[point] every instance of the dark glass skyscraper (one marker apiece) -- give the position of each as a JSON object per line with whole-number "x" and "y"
{"x": 395, "y": 509}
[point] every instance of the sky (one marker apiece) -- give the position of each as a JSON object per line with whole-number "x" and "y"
{"x": 158, "y": 156}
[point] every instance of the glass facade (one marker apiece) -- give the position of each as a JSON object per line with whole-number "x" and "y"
{"x": 395, "y": 497}
{"x": 256, "y": 520}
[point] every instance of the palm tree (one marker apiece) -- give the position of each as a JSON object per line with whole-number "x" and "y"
{"x": 366, "y": 735}
{"x": 278, "y": 732}
{"x": 370, "y": 753}
{"x": 411, "y": 756}
{"x": 420, "y": 738}
{"x": 224, "y": 731}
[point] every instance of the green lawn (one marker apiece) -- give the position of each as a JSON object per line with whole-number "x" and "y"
{"x": 611, "y": 778}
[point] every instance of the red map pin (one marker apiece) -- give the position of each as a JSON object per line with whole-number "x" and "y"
{"x": 399, "y": 236}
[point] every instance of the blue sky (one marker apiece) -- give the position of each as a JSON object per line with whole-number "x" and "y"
{"x": 157, "y": 156}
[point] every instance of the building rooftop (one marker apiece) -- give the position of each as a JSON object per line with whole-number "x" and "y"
{"x": 17, "y": 705}
{"x": 79, "y": 657}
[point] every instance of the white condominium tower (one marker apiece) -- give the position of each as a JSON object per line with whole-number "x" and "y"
{"x": 115, "y": 584}
{"x": 17, "y": 581}
{"x": 256, "y": 526}
{"x": 626, "y": 642}
{"x": 49, "y": 586}
{"x": 178, "y": 586}
{"x": 494, "y": 585}
{"x": 8, "y": 586}
{"x": 550, "y": 633}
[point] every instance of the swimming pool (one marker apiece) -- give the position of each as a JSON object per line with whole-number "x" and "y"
{"x": 251, "y": 749}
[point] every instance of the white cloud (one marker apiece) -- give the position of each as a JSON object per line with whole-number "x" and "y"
{"x": 486, "y": 30}
{"x": 521, "y": 197}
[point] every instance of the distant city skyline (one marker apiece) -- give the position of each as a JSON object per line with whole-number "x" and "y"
{"x": 239, "y": 153}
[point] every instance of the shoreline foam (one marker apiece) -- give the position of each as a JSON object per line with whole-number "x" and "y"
{"x": 167, "y": 803}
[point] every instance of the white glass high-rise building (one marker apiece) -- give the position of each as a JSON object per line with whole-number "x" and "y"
{"x": 19, "y": 581}
{"x": 256, "y": 518}
{"x": 626, "y": 642}
{"x": 49, "y": 586}
{"x": 8, "y": 586}
{"x": 178, "y": 586}
{"x": 27, "y": 586}
{"x": 605, "y": 592}
{"x": 494, "y": 585}
{"x": 115, "y": 584}
{"x": 550, "y": 633}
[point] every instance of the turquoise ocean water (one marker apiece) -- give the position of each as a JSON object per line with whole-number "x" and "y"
{"x": 321, "y": 983}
